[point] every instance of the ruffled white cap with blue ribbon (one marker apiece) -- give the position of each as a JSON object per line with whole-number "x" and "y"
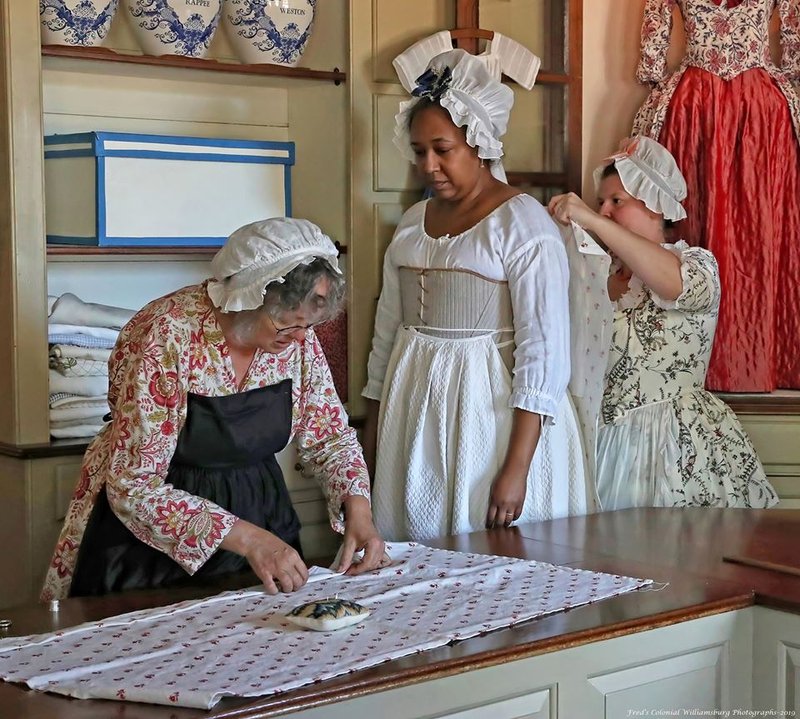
{"x": 462, "y": 85}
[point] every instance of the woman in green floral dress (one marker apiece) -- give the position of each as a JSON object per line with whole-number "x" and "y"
{"x": 663, "y": 440}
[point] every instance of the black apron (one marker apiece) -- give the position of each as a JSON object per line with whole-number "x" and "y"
{"x": 225, "y": 453}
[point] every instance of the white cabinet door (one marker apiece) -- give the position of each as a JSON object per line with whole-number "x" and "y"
{"x": 703, "y": 664}
{"x": 536, "y": 705}
{"x": 687, "y": 682}
{"x": 776, "y": 661}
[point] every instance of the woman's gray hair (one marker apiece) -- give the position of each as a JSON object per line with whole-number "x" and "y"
{"x": 297, "y": 290}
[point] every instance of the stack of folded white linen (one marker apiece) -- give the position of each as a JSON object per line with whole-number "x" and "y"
{"x": 81, "y": 336}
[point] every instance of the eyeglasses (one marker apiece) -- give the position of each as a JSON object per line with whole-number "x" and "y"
{"x": 284, "y": 331}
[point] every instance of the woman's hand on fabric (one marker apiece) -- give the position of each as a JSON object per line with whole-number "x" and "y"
{"x": 277, "y": 565}
{"x": 360, "y": 534}
{"x": 506, "y": 499}
{"x": 571, "y": 208}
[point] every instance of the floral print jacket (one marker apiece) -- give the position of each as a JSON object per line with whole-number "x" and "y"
{"x": 725, "y": 37}
{"x": 173, "y": 347}
{"x": 660, "y": 349}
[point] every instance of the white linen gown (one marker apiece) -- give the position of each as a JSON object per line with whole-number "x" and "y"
{"x": 469, "y": 327}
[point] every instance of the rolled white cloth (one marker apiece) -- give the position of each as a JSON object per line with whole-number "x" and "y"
{"x": 92, "y": 420}
{"x": 86, "y": 410}
{"x": 85, "y": 386}
{"x": 65, "y": 399}
{"x": 79, "y": 340}
{"x": 71, "y": 367}
{"x": 84, "y": 353}
{"x": 104, "y": 333}
{"x": 77, "y": 431}
{"x": 71, "y": 310}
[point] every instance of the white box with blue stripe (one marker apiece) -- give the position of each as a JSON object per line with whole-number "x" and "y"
{"x": 113, "y": 189}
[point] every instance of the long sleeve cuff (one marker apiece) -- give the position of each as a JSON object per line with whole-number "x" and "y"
{"x": 373, "y": 390}
{"x": 339, "y": 491}
{"x": 194, "y": 552}
{"x": 186, "y": 528}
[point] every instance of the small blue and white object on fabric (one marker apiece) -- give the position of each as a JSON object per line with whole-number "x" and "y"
{"x": 112, "y": 189}
{"x": 76, "y": 22}
{"x": 269, "y": 31}
{"x": 174, "y": 27}
{"x": 328, "y": 615}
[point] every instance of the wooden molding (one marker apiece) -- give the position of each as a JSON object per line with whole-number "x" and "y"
{"x": 100, "y": 53}
{"x": 23, "y": 307}
{"x": 86, "y": 250}
{"x": 766, "y": 404}
{"x": 467, "y": 17}
{"x": 574, "y": 68}
{"x": 552, "y": 78}
{"x": 537, "y": 179}
{"x": 56, "y": 448}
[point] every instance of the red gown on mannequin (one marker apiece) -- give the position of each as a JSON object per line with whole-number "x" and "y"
{"x": 732, "y": 120}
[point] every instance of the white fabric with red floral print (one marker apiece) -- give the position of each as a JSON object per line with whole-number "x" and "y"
{"x": 241, "y": 643}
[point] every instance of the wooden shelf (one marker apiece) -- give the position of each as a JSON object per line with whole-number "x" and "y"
{"x": 101, "y": 53}
{"x": 83, "y": 250}
{"x": 537, "y": 179}
{"x": 784, "y": 402}
{"x": 54, "y": 448}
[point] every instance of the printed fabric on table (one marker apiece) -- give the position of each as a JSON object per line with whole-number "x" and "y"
{"x": 242, "y": 644}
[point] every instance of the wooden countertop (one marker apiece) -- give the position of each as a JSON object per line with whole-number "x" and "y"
{"x": 683, "y": 547}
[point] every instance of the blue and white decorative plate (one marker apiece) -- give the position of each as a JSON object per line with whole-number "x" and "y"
{"x": 76, "y": 22}
{"x": 269, "y": 31}
{"x": 174, "y": 27}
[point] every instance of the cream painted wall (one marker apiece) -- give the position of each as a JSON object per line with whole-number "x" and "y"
{"x": 611, "y": 94}
{"x": 318, "y": 123}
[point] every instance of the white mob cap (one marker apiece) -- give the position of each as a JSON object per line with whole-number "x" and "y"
{"x": 649, "y": 173}
{"x": 261, "y": 253}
